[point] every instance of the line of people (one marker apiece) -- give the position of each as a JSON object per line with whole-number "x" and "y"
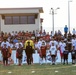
{"x": 64, "y": 46}
{"x": 6, "y": 50}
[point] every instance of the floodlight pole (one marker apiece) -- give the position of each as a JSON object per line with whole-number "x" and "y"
{"x": 53, "y": 12}
{"x": 69, "y": 14}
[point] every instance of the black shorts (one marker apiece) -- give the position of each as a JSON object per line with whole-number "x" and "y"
{"x": 73, "y": 57}
{"x": 53, "y": 55}
{"x": 43, "y": 56}
{"x": 75, "y": 52}
{"x": 5, "y": 58}
{"x": 65, "y": 56}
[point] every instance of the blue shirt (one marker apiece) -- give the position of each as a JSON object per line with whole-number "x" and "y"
{"x": 66, "y": 29}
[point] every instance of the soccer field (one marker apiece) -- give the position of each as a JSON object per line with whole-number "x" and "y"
{"x": 37, "y": 69}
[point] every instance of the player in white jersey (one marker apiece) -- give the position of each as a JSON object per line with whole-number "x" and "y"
{"x": 5, "y": 42}
{"x": 62, "y": 46}
{"x": 53, "y": 53}
{"x": 54, "y": 41}
{"x": 73, "y": 41}
{"x": 39, "y": 47}
{"x": 40, "y": 42}
{"x": 17, "y": 44}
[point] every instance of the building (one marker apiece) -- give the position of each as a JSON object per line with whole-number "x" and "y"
{"x": 19, "y": 19}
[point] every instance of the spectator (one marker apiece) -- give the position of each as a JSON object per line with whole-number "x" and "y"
{"x": 74, "y": 32}
{"x": 65, "y": 30}
{"x": 15, "y": 40}
{"x": 44, "y": 32}
{"x": 59, "y": 32}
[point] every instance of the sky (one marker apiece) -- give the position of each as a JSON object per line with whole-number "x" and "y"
{"x": 60, "y": 18}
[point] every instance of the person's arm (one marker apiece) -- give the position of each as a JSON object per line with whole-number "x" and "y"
{"x": 48, "y": 46}
{"x": 1, "y": 47}
{"x": 25, "y": 44}
{"x": 56, "y": 52}
{"x": 33, "y": 46}
{"x": 50, "y": 51}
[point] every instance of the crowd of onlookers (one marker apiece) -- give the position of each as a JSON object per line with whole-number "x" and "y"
{"x": 13, "y": 36}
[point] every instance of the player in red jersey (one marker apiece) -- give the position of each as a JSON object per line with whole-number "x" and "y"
{"x": 19, "y": 54}
{"x": 42, "y": 53}
{"x": 5, "y": 53}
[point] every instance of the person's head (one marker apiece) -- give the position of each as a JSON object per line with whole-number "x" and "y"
{"x": 69, "y": 39}
{"x": 19, "y": 39}
{"x": 52, "y": 39}
{"x": 62, "y": 40}
{"x": 52, "y": 43}
{"x": 73, "y": 47}
{"x": 20, "y": 46}
{"x": 28, "y": 38}
{"x": 73, "y": 28}
{"x": 28, "y": 43}
{"x": 65, "y": 25}
{"x": 43, "y": 43}
{"x": 41, "y": 39}
{"x": 4, "y": 38}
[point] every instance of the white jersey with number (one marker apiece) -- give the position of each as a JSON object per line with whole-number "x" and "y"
{"x": 55, "y": 43}
{"x": 40, "y": 43}
{"x": 7, "y": 44}
{"x": 17, "y": 45}
{"x": 53, "y": 50}
{"x": 62, "y": 46}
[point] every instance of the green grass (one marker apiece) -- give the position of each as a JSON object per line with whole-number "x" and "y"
{"x": 38, "y": 69}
